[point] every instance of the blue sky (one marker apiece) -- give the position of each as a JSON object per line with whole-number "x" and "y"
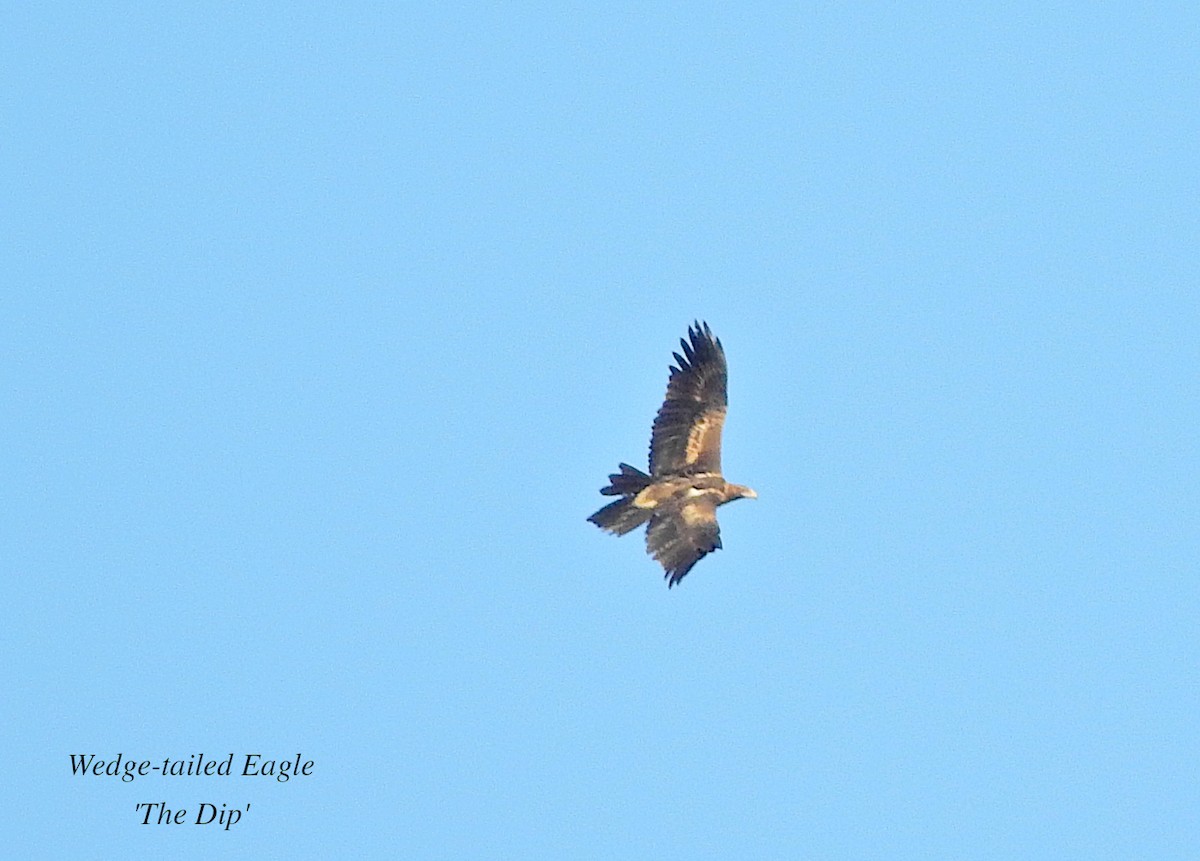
{"x": 324, "y": 326}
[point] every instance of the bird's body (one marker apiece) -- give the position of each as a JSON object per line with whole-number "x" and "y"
{"x": 680, "y": 495}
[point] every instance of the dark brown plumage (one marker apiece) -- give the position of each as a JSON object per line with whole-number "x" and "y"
{"x": 680, "y": 496}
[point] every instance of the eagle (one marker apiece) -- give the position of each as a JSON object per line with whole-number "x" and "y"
{"x": 679, "y": 497}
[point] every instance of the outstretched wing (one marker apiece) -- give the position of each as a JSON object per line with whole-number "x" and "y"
{"x": 683, "y": 534}
{"x": 687, "y": 430}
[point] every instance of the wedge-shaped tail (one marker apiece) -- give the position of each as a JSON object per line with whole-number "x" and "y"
{"x": 623, "y": 516}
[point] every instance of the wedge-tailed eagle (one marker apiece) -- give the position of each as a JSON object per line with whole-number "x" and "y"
{"x": 681, "y": 494}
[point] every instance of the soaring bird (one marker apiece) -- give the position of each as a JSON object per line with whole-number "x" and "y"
{"x": 680, "y": 496}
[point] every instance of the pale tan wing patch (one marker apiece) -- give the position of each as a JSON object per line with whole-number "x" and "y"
{"x": 658, "y": 493}
{"x": 704, "y": 441}
{"x": 700, "y": 512}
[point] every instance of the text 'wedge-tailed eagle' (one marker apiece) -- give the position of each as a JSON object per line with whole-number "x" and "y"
{"x": 680, "y": 496}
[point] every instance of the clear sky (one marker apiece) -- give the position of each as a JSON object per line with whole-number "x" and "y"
{"x": 323, "y": 325}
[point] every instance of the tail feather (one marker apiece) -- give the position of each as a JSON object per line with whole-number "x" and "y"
{"x": 620, "y": 517}
{"x": 630, "y": 481}
{"x": 623, "y": 516}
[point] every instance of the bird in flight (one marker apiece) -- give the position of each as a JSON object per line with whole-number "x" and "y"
{"x": 680, "y": 496}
